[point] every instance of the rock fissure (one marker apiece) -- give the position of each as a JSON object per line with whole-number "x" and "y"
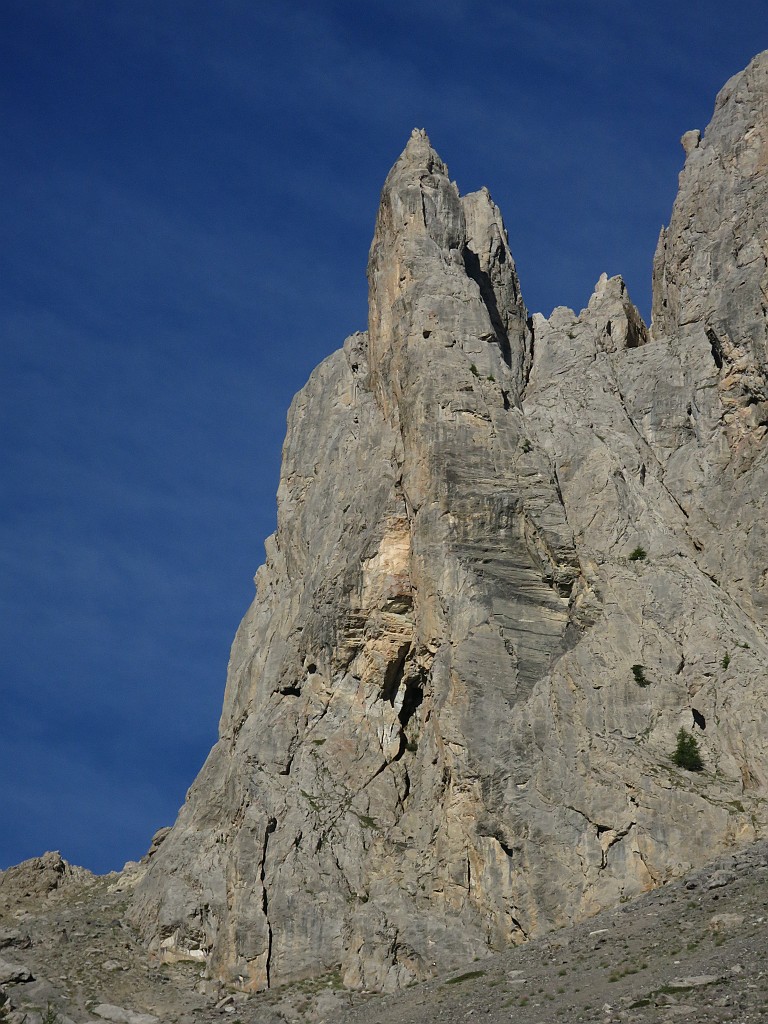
{"x": 271, "y": 826}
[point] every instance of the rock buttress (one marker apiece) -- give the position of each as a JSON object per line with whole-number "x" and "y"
{"x": 434, "y": 740}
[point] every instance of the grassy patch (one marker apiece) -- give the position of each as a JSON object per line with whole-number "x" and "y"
{"x": 366, "y": 820}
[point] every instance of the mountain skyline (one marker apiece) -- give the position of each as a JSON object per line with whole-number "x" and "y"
{"x": 190, "y": 204}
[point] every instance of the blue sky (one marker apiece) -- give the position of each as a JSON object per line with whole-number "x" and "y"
{"x": 189, "y": 191}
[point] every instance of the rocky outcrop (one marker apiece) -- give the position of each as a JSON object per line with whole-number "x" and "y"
{"x": 512, "y": 557}
{"x": 38, "y": 877}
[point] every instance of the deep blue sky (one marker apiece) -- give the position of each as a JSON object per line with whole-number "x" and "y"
{"x": 188, "y": 194}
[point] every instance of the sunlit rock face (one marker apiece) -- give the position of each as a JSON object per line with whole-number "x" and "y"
{"x": 513, "y": 555}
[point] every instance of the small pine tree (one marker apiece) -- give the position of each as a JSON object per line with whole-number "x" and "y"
{"x": 687, "y": 754}
{"x": 638, "y": 555}
{"x": 638, "y": 671}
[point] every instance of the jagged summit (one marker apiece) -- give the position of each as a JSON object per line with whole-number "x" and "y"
{"x": 512, "y": 559}
{"x": 418, "y": 159}
{"x": 446, "y": 258}
{"x": 419, "y": 153}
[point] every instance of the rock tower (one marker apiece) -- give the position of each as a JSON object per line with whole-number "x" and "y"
{"x": 513, "y": 556}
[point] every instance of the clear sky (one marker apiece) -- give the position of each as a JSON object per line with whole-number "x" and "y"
{"x": 188, "y": 195}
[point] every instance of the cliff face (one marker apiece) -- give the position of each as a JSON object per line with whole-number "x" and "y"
{"x": 433, "y": 740}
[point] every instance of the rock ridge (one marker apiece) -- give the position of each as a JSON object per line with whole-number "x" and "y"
{"x": 514, "y": 555}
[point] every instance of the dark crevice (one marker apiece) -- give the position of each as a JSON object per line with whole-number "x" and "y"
{"x": 556, "y": 482}
{"x": 699, "y": 719}
{"x": 414, "y": 695}
{"x": 507, "y": 849}
{"x": 483, "y": 281}
{"x": 393, "y": 675}
{"x": 716, "y": 346}
{"x": 423, "y": 205}
{"x": 412, "y": 700}
{"x": 271, "y": 826}
{"x": 528, "y": 367}
{"x": 636, "y": 335}
{"x": 406, "y": 788}
{"x": 290, "y": 691}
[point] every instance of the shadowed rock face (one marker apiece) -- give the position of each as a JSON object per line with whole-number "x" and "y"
{"x": 433, "y": 739}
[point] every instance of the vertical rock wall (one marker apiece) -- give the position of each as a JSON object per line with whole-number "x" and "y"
{"x": 434, "y": 740}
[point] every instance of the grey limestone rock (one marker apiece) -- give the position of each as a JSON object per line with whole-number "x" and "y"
{"x": 13, "y": 974}
{"x": 38, "y": 877}
{"x": 709, "y": 316}
{"x": 434, "y": 739}
{"x": 13, "y": 937}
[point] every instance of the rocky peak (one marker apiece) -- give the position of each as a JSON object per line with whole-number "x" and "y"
{"x": 710, "y": 317}
{"x": 37, "y": 878}
{"x": 710, "y": 265}
{"x": 506, "y": 574}
{"x": 418, "y": 158}
{"x": 440, "y": 277}
{"x": 623, "y": 326}
{"x": 489, "y": 263}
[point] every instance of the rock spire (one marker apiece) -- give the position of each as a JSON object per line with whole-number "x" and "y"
{"x": 513, "y": 556}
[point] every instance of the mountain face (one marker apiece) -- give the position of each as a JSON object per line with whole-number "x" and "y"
{"x": 513, "y": 556}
